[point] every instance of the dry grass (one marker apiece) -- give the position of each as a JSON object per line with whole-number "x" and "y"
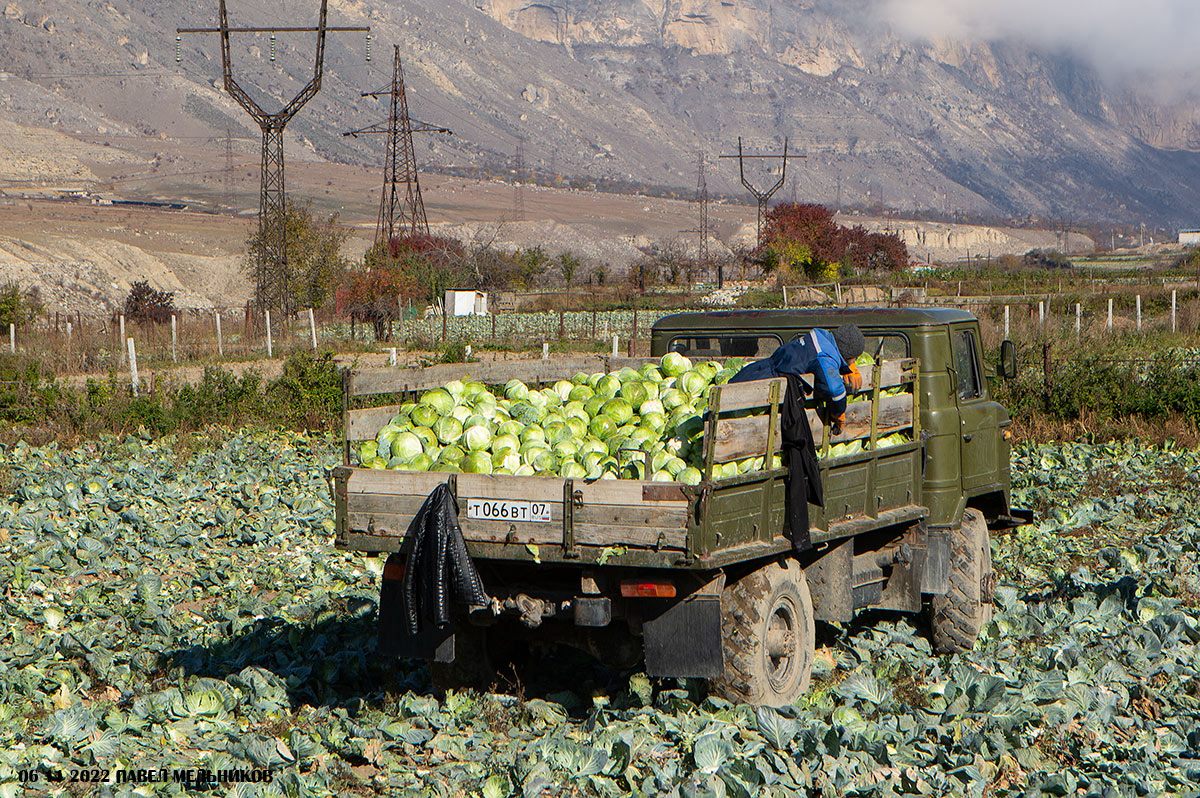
{"x": 1093, "y": 428}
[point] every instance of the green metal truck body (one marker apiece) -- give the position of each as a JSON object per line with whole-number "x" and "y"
{"x": 701, "y": 580}
{"x": 966, "y": 452}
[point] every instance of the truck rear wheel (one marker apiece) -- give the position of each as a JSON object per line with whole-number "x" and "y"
{"x": 768, "y": 636}
{"x": 959, "y": 616}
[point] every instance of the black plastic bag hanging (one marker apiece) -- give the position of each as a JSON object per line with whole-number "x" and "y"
{"x": 803, "y": 481}
{"x": 439, "y": 567}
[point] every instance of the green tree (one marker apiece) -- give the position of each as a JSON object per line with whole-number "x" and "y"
{"x": 568, "y": 264}
{"x": 314, "y": 267}
{"x": 17, "y": 306}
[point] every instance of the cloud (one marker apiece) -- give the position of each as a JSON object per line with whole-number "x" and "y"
{"x": 1122, "y": 39}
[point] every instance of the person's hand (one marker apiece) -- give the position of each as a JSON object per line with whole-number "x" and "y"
{"x": 853, "y": 380}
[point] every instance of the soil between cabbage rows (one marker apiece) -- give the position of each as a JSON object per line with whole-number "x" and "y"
{"x": 172, "y": 604}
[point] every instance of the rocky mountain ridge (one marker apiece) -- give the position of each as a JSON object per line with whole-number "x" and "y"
{"x": 633, "y": 90}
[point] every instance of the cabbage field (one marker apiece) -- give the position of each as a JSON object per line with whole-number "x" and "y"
{"x": 177, "y": 604}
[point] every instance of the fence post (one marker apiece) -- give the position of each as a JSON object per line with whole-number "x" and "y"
{"x": 12, "y": 338}
{"x": 1110, "y": 314}
{"x": 467, "y": 352}
{"x": 785, "y": 296}
{"x": 270, "y": 349}
{"x": 1078, "y": 317}
{"x": 1173, "y": 326}
{"x": 174, "y": 340}
{"x": 312, "y": 326}
{"x": 1006, "y": 322}
{"x": 445, "y": 322}
{"x": 614, "y": 354}
{"x": 1139, "y": 312}
{"x": 545, "y": 351}
{"x": 133, "y": 373}
{"x": 123, "y": 339}
{"x": 392, "y": 356}
{"x": 1041, "y": 313}
{"x": 220, "y": 343}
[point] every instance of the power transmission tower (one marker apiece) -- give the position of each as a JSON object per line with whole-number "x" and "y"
{"x": 703, "y": 229}
{"x": 226, "y": 142}
{"x": 404, "y": 215}
{"x": 272, "y": 274}
{"x": 229, "y": 167}
{"x": 518, "y": 186}
{"x": 763, "y": 197}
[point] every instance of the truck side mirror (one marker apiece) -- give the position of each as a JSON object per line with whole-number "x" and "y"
{"x": 1008, "y": 360}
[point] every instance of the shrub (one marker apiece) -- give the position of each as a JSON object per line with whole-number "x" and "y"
{"x": 17, "y": 306}
{"x": 147, "y": 305}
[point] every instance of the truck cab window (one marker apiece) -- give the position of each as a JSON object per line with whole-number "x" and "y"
{"x": 967, "y": 365}
{"x": 880, "y": 347}
{"x": 749, "y": 346}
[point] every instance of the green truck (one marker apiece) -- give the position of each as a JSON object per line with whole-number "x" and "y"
{"x": 700, "y": 580}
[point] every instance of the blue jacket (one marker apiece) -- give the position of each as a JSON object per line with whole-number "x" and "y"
{"x": 814, "y": 354}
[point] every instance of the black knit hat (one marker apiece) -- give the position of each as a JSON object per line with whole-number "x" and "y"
{"x": 850, "y": 341}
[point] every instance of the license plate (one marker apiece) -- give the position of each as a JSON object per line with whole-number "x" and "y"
{"x": 504, "y": 510}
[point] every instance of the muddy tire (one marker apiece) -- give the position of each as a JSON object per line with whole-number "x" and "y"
{"x": 768, "y": 636}
{"x": 959, "y": 616}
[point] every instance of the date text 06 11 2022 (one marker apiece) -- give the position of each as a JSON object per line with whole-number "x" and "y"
{"x": 191, "y": 776}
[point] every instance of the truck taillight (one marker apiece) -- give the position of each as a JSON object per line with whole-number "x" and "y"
{"x": 393, "y": 569}
{"x": 647, "y": 588}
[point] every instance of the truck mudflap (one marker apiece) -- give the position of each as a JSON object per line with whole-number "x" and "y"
{"x": 394, "y": 639}
{"x": 684, "y": 639}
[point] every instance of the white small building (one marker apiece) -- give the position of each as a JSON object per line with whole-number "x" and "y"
{"x": 1189, "y": 238}
{"x": 462, "y": 302}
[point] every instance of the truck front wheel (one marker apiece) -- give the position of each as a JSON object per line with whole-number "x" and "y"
{"x": 768, "y": 636}
{"x": 961, "y": 614}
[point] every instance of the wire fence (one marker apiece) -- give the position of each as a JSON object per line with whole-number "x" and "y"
{"x": 97, "y": 344}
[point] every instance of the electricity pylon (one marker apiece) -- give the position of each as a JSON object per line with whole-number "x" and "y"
{"x": 762, "y": 196}
{"x": 272, "y": 274}
{"x": 399, "y": 215}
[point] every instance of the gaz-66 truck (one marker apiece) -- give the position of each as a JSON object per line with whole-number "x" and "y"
{"x": 700, "y": 580}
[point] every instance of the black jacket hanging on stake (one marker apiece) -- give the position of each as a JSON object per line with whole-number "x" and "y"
{"x": 438, "y": 563}
{"x": 803, "y": 479}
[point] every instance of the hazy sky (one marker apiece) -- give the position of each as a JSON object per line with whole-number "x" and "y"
{"x": 1154, "y": 39}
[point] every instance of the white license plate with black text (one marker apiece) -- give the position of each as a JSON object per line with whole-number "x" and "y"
{"x": 505, "y": 510}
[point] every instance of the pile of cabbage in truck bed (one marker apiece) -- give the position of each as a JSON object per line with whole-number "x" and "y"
{"x": 645, "y": 423}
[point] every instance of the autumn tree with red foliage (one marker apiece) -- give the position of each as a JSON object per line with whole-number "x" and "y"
{"x": 828, "y": 244}
{"x": 400, "y": 270}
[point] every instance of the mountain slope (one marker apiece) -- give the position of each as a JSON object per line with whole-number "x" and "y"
{"x": 632, "y": 89}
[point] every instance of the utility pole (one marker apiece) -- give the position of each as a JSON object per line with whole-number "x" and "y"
{"x": 763, "y": 197}
{"x": 396, "y": 215}
{"x": 271, "y": 269}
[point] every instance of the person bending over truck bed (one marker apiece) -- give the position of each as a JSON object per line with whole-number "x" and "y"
{"x": 828, "y": 358}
